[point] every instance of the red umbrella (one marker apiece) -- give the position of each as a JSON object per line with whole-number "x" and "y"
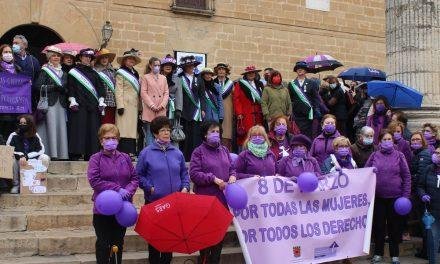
{"x": 183, "y": 223}
{"x": 68, "y": 46}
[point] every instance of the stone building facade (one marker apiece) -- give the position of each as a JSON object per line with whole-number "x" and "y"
{"x": 267, "y": 33}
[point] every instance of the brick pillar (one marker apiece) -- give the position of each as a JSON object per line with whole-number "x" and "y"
{"x": 413, "y": 45}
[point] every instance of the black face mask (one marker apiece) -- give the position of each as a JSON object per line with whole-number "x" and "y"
{"x": 23, "y": 128}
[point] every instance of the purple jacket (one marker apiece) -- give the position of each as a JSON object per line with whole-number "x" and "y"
{"x": 293, "y": 167}
{"x": 322, "y": 147}
{"x": 208, "y": 162}
{"x": 404, "y": 147}
{"x": 393, "y": 178}
{"x": 381, "y": 123}
{"x": 248, "y": 165}
{"x": 163, "y": 169}
{"x": 111, "y": 172}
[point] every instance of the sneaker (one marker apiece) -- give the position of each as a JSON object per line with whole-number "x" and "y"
{"x": 395, "y": 260}
{"x": 15, "y": 190}
{"x": 376, "y": 259}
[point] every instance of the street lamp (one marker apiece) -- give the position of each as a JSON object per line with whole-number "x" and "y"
{"x": 106, "y": 33}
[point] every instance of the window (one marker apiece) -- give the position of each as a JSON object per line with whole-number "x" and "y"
{"x": 198, "y": 7}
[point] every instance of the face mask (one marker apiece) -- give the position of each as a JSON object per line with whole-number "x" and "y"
{"x": 380, "y": 108}
{"x": 8, "y": 57}
{"x": 156, "y": 69}
{"x": 276, "y": 80}
{"x": 213, "y": 138}
{"x": 280, "y": 130}
{"x": 257, "y": 140}
{"x": 397, "y": 136}
{"x": 23, "y": 128}
{"x": 387, "y": 145}
{"x": 110, "y": 144}
{"x": 333, "y": 85}
{"x": 367, "y": 141}
{"x": 16, "y": 48}
{"x": 416, "y": 146}
{"x": 299, "y": 152}
{"x": 435, "y": 159}
{"x": 343, "y": 151}
{"x": 427, "y": 135}
{"x": 163, "y": 142}
{"x": 329, "y": 128}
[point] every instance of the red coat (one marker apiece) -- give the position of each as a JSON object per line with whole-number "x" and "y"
{"x": 245, "y": 106}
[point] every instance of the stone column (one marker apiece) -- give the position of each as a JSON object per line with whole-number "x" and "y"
{"x": 413, "y": 46}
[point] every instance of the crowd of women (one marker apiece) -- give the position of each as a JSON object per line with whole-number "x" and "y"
{"x": 276, "y": 127}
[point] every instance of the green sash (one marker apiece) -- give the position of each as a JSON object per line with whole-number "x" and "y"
{"x": 210, "y": 102}
{"x": 226, "y": 89}
{"x": 198, "y": 114}
{"x": 171, "y": 108}
{"x": 104, "y": 77}
{"x": 302, "y": 97}
{"x": 254, "y": 93}
{"x": 52, "y": 74}
{"x": 84, "y": 81}
{"x": 130, "y": 78}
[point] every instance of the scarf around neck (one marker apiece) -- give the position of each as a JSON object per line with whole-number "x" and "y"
{"x": 259, "y": 150}
{"x": 9, "y": 67}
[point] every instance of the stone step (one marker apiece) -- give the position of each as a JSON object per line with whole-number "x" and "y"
{"x": 68, "y": 167}
{"x": 53, "y": 200}
{"x": 62, "y": 182}
{"x": 230, "y": 255}
{"x": 64, "y": 242}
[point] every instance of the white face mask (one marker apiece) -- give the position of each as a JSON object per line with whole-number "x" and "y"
{"x": 7, "y": 57}
{"x": 333, "y": 85}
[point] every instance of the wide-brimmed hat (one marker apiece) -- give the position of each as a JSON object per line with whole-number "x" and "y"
{"x": 188, "y": 60}
{"x": 250, "y": 68}
{"x": 71, "y": 53}
{"x": 130, "y": 53}
{"x": 86, "y": 52}
{"x": 54, "y": 50}
{"x": 301, "y": 140}
{"x": 300, "y": 65}
{"x": 168, "y": 59}
{"x": 222, "y": 66}
{"x": 207, "y": 70}
{"x": 105, "y": 52}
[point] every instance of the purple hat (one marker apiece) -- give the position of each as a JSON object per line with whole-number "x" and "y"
{"x": 301, "y": 140}
{"x": 86, "y": 52}
{"x": 168, "y": 59}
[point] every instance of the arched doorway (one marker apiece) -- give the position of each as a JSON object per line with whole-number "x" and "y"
{"x": 38, "y": 37}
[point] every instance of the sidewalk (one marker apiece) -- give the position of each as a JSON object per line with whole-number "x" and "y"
{"x": 403, "y": 260}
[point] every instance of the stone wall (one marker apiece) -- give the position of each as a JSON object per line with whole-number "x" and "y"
{"x": 263, "y": 32}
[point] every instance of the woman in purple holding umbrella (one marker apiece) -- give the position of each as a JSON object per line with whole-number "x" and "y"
{"x": 257, "y": 159}
{"x": 300, "y": 160}
{"x": 110, "y": 169}
{"x": 210, "y": 170}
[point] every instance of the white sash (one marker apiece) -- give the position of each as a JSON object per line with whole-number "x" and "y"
{"x": 84, "y": 81}
{"x": 254, "y": 93}
{"x": 52, "y": 74}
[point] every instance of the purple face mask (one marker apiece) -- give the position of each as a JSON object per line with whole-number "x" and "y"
{"x": 387, "y": 145}
{"x": 427, "y": 135}
{"x": 329, "y": 128}
{"x": 257, "y": 140}
{"x": 343, "y": 151}
{"x": 280, "y": 130}
{"x": 380, "y": 108}
{"x": 397, "y": 136}
{"x": 110, "y": 144}
{"x": 416, "y": 146}
{"x": 435, "y": 159}
{"x": 213, "y": 138}
{"x": 299, "y": 152}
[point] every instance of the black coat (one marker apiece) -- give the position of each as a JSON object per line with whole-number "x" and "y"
{"x": 54, "y": 92}
{"x": 300, "y": 109}
{"x": 79, "y": 92}
{"x": 189, "y": 108}
{"x": 427, "y": 184}
{"x": 34, "y": 150}
{"x": 339, "y": 109}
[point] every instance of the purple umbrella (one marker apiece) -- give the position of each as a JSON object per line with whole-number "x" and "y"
{"x": 319, "y": 63}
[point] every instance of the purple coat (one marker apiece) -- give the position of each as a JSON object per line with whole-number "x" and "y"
{"x": 164, "y": 170}
{"x": 208, "y": 162}
{"x": 111, "y": 172}
{"x": 381, "y": 123}
{"x": 393, "y": 178}
{"x": 404, "y": 147}
{"x": 292, "y": 167}
{"x": 322, "y": 147}
{"x": 248, "y": 165}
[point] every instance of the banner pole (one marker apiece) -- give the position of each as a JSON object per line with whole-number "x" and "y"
{"x": 241, "y": 239}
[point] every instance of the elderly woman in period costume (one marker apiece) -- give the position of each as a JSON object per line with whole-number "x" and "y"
{"x": 212, "y": 96}
{"x": 168, "y": 68}
{"x": 103, "y": 66}
{"x": 154, "y": 94}
{"x": 193, "y": 105}
{"x": 127, "y": 100}
{"x": 52, "y": 81}
{"x": 86, "y": 96}
{"x": 68, "y": 60}
{"x": 222, "y": 71}
{"x": 247, "y": 102}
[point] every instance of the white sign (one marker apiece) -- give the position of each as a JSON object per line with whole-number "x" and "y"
{"x": 322, "y": 5}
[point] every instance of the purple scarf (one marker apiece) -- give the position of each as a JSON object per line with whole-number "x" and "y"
{"x": 9, "y": 67}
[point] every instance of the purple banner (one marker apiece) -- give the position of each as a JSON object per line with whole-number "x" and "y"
{"x": 15, "y": 93}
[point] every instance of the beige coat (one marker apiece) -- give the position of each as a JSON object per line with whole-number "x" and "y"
{"x": 154, "y": 93}
{"x": 228, "y": 117}
{"x": 127, "y": 98}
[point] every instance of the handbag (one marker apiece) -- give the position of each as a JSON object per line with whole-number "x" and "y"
{"x": 177, "y": 133}
{"x": 241, "y": 131}
{"x": 43, "y": 102}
